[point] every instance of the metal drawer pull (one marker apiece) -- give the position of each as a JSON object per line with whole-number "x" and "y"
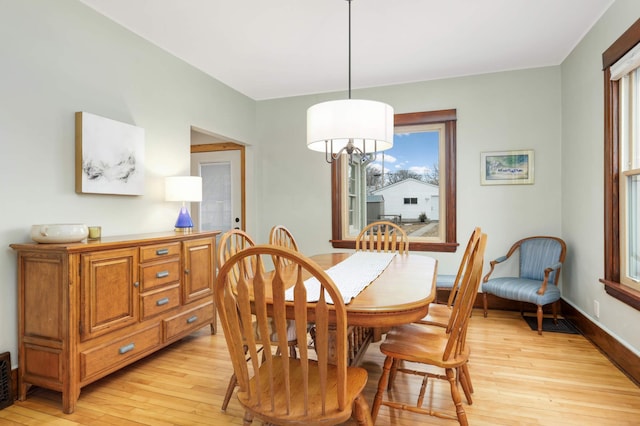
{"x": 192, "y": 319}
{"x": 162, "y": 274}
{"x": 162, "y": 301}
{"x": 160, "y": 252}
{"x": 126, "y": 348}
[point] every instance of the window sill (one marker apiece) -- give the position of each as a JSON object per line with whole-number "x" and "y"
{"x": 623, "y": 293}
{"x": 413, "y": 246}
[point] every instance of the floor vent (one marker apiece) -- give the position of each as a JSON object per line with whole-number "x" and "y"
{"x": 6, "y": 396}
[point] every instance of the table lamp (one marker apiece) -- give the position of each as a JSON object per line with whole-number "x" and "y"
{"x": 184, "y": 189}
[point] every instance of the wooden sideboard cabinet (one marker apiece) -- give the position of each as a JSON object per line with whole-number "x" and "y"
{"x": 90, "y": 308}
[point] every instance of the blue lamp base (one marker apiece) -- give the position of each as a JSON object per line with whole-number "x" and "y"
{"x": 184, "y": 222}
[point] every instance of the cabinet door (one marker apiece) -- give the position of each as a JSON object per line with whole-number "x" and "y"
{"x": 198, "y": 269}
{"x": 109, "y": 291}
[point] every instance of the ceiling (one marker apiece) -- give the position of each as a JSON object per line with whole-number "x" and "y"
{"x": 269, "y": 49}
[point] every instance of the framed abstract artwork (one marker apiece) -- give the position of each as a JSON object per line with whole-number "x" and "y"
{"x": 109, "y": 156}
{"x": 506, "y": 167}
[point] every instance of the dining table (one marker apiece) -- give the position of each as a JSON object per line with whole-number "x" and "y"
{"x": 400, "y": 294}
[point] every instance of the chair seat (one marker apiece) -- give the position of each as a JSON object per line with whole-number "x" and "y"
{"x": 438, "y": 315}
{"x": 521, "y": 289}
{"x": 445, "y": 281}
{"x": 423, "y": 344}
{"x": 356, "y": 381}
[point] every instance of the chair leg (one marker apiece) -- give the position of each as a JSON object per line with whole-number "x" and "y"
{"x": 393, "y": 373}
{"x": 539, "y": 315}
{"x": 465, "y": 382}
{"x": 247, "y": 419}
{"x": 465, "y": 370}
{"x": 455, "y": 395}
{"x": 361, "y": 412}
{"x": 484, "y": 303}
{"x": 233, "y": 381}
{"x": 382, "y": 384}
{"x": 554, "y": 308}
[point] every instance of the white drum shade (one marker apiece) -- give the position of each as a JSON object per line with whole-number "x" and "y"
{"x": 368, "y": 123}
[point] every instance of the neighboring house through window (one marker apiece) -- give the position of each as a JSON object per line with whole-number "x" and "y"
{"x": 409, "y": 184}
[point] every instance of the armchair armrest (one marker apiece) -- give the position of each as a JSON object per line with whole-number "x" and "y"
{"x": 493, "y": 263}
{"x": 500, "y": 259}
{"x": 547, "y": 271}
{"x": 553, "y": 267}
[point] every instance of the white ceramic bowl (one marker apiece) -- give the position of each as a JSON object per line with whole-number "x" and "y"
{"x": 59, "y": 233}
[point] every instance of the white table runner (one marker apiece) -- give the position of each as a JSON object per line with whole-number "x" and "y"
{"x": 351, "y": 276}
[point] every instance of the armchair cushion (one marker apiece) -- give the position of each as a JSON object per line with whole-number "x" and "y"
{"x": 521, "y": 289}
{"x": 535, "y": 256}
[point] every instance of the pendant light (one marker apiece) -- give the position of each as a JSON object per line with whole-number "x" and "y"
{"x": 350, "y": 126}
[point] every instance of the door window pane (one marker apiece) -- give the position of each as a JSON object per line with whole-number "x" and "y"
{"x": 215, "y": 209}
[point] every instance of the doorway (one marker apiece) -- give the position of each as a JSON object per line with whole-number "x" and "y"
{"x": 222, "y": 168}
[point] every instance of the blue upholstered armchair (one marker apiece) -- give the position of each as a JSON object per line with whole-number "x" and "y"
{"x": 540, "y": 261}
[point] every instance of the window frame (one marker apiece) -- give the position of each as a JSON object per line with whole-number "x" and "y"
{"x": 612, "y": 175}
{"x": 448, "y": 118}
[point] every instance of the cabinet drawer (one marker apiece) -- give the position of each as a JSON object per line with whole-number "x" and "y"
{"x": 160, "y": 301}
{"x": 159, "y": 273}
{"x": 104, "y": 357}
{"x": 188, "y": 321}
{"x": 159, "y": 251}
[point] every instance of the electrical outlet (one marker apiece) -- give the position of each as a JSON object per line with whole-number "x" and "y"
{"x": 596, "y": 308}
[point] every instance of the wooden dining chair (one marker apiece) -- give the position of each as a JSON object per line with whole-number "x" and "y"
{"x": 279, "y": 389}
{"x": 231, "y": 242}
{"x": 281, "y": 236}
{"x": 440, "y": 314}
{"x": 383, "y": 236}
{"x": 439, "y": 347}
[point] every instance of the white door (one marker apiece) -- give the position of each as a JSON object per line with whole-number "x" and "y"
{"x": 221, "y": 206}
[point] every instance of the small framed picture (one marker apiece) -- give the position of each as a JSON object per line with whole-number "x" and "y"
{"x": 506, "y": 167}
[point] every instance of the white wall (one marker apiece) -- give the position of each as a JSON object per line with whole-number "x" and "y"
{"x": 583, "y": 176}
{"x": 59, "y": 57}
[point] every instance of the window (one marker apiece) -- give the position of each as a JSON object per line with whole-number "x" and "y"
{"x": 629, "y": 99}
{"x": 410, "y": 184}
{"x": 621, "y": 166}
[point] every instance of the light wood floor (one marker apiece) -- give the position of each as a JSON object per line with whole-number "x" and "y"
{"x": 520, "y": 378}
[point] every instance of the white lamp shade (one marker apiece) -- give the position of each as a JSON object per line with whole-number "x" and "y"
{"x": 368, "y": 123}
{"x": 183, "y": 188}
